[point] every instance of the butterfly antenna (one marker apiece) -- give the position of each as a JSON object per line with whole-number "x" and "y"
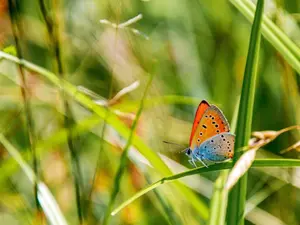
{"x": 172, "y": 143}
{"x": 184, "y": 150}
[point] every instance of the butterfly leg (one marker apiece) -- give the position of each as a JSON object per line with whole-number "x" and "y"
{"x": 192, "y": 161}
{"x": 200, "y": 159}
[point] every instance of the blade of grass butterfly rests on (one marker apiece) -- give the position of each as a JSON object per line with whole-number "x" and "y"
{"x": 237, "y": 196}
{"x": 289, "y": 163}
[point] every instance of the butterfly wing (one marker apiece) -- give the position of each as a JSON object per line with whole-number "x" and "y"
{"x": 218, "y": 148}
{"x": 212, "y": 122}
{"x": 199, "y": 113}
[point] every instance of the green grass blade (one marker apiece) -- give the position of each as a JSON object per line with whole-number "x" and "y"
{"x": 219, "y": 201}
{"x": 46, "y": 200}
{"x": 124, "y": 160}
{"x": 288, "y": 163}
{"x": 53, "y": 28}
{"x": 292, "y": 47}
{"x": 9, "y": 166}
{"x": 128, "y": 106}
{"x": 168, "y": 210}
{"x": 220, "y": 195}
{"x": 288, "y": 49}
{"x": 237, "y": 196}
{"x": 263, "y": 194}
{"x": 17, "y": 31}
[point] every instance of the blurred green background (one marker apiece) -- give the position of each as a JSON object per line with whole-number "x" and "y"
{"x": 195, "y": 50}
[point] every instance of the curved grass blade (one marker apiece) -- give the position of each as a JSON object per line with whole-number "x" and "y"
{"x": 128, "y": 106}
{"x": 289, "y": 50}
{"x": 288, "y": 163}
{"x": 171, "y": 215}
{"x": 124, "y": 160}
{"x": 46, "y": 200}
{"x": 263, "y": 194}
{"x": 292, "y": 47}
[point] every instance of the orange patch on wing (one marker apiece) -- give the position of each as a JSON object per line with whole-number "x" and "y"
{"x": 212, "y": 122}
{"x": 199, "y": 113}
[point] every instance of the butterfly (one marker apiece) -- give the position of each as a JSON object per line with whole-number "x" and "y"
{"x": 210, "y": 139}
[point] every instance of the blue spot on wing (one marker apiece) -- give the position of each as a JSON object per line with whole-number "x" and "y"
{"x": 218, "y": 148}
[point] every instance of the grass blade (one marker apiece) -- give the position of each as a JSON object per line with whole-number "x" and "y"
{"x": 17, "y": 31}
{"x": 289, "y": 50}
{"x": 257, "y": 163}
{"x": 46, "y": 200}
{"x": 220, "y": 195}
{"x": 53, "y": 29}
{"x": 292, "y": 47}
{"x": 171, "y": 215}
{"x": 124, "y": 160}
{"x": 219, "y": 201}
{"x": 237, "y": 196}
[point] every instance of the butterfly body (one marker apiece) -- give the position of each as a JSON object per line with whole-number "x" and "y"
{"x": 210, "y": 139}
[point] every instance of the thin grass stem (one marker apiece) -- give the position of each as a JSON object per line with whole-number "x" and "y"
{"x": 17, "y": 33}
{"x": 124, "y": 160}
{"x": 53, "y": 32}
{"x": 98, "y": 163}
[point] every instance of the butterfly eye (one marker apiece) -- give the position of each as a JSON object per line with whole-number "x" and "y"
{"x": 188, "y": 152}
